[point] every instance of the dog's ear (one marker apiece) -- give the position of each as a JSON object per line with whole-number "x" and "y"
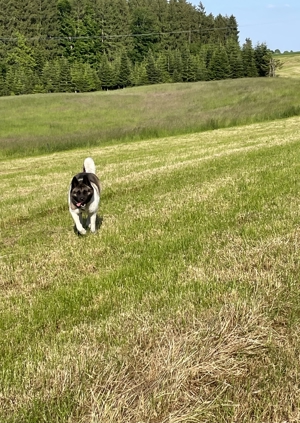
{"x": 86, "y": 181}
{"x": 74, "y": 182}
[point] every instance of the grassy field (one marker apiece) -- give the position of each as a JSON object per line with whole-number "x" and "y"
{"x": 291, "y": 65}
{"x": 43, "y": 124}
{"x": 185, "y": 306}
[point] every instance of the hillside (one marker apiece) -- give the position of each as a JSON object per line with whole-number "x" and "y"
{"x": 42, "y": 123}
{"x": 291, "y": 65}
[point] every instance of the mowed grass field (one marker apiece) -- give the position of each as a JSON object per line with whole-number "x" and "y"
{"x": 185, "y": 305}
{"x": 291, "y": 65}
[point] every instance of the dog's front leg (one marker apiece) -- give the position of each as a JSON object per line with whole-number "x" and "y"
{"x": 77, "y": 220}
{"x": 92, "y": 221}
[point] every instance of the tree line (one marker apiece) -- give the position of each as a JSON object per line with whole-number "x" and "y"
{"x": 88, "y": 45}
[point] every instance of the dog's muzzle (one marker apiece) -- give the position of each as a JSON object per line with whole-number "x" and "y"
{"x": 80, "y": 205}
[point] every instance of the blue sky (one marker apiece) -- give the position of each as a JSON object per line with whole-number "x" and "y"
{"x": 276, "y": 23}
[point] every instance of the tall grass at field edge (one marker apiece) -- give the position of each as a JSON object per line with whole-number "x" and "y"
{"x": 43, "y": 124}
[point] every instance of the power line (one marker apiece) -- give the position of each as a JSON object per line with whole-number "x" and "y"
{"x": 103, "y": 36}
{"x": 148, "y": 34}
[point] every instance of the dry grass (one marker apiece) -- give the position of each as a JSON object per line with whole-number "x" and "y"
{"x": 291, "y": 65}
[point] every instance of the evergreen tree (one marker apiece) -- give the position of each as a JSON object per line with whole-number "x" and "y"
{"x": 219, "y": 65}
{"x": 40, "y": 40}
{"x": 233, "y": 32}
{"x": 65, "y": 81}
{"x": 86, "y": 45}
{"x": 162, "y": 66}
{"x": 138, "y": 74}
{"x": 176, "y": 66}
{"x": 51, "y": 76}
{"x": 209, "y": 30}
{"x": 144, "y": 28}
{"x": 182, "y": 22}
{"x": 225, "y": 28}
{"x": 21, "y": 54}
{"x": 107, "y": 74}
{"x": 199, "y": 64}
{"x": 235, "y": 58}
{"x": 248, "y": 57}
{"x": 113, "y": 22}
{"x": 3, "y": 88}
{"x": 159, "y": 8}
{"x": 84, "y": 77}
{"x": 46, "y": 30}
{"x": 21, "y": 66}
{"x": 220, "y": 32}
{"x": 66, "y": 25}
{"x": 188, "y": 71}
{"x": 207, "y": 51}
{"x": 77, "y": 77}
{"x": 123, "y": 79}
{"x": 153, "y": 73}
{"x": 262, "y": 59}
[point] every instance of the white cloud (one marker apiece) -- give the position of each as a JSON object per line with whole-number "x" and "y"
{"x": 276, "y": 6}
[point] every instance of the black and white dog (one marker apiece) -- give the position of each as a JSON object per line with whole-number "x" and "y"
{"x": 84, "y": 196}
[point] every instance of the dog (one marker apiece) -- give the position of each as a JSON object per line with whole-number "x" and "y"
{"x": 84, "y": 196}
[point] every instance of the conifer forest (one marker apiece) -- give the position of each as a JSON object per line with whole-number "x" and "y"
{"x": 51, "y": 46}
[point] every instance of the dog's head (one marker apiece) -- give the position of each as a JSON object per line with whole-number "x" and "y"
{"x": 81, "y": 191}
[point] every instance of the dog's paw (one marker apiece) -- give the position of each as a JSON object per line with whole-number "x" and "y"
{"x": 81, "y": 231}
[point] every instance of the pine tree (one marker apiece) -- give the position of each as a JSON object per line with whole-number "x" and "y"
{"x": 176, "y": 66}
{"x": 113, "y": 22}
{"x": 65, "y": 80}
{"x": 162, "y": 66}
{"x": 51, "y": 76}
{"x": 138, "y": 74}
{"x": 200, "y": 68}
{"x": 188, "y": 72}
{"x": 159, "y": 8}
{"x": 21, "y": 54}
{"x": 84, "y": 77}
{"x": 144, "y": 28}
{"x": 86, "y": 45}
{"x": 219, "y": 65}
{"x": 123, "y": 79}
{"x": 232, "y": 32}
{"x": 66, "y": 27}
{"x": 180, "y": 23}
{"x": 100, "y": 34}
{"x": 262, "y": 59}
{"x": 152, "y": 69}
{"x": 235, "y": 58}
{"x": 248, "y": 57}
{"x": 46, "y": 30}
{"x": 107, "y": 74}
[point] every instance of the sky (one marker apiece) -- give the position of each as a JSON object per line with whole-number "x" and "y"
{"x": 276, "y": 23}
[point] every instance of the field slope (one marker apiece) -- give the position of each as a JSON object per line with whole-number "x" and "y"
{"x": 44, "y": 123}
{"x": 184, "y": 307}
{"x": 291, "y": 65}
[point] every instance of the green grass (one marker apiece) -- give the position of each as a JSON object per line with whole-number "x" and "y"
{"x": 43, "y": 124}
{"x": 184, "y": 307}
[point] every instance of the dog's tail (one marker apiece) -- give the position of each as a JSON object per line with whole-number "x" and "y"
{"x": 89, "y": 165}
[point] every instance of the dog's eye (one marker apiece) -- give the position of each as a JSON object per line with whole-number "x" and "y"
{"x": 84, "y": 192}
